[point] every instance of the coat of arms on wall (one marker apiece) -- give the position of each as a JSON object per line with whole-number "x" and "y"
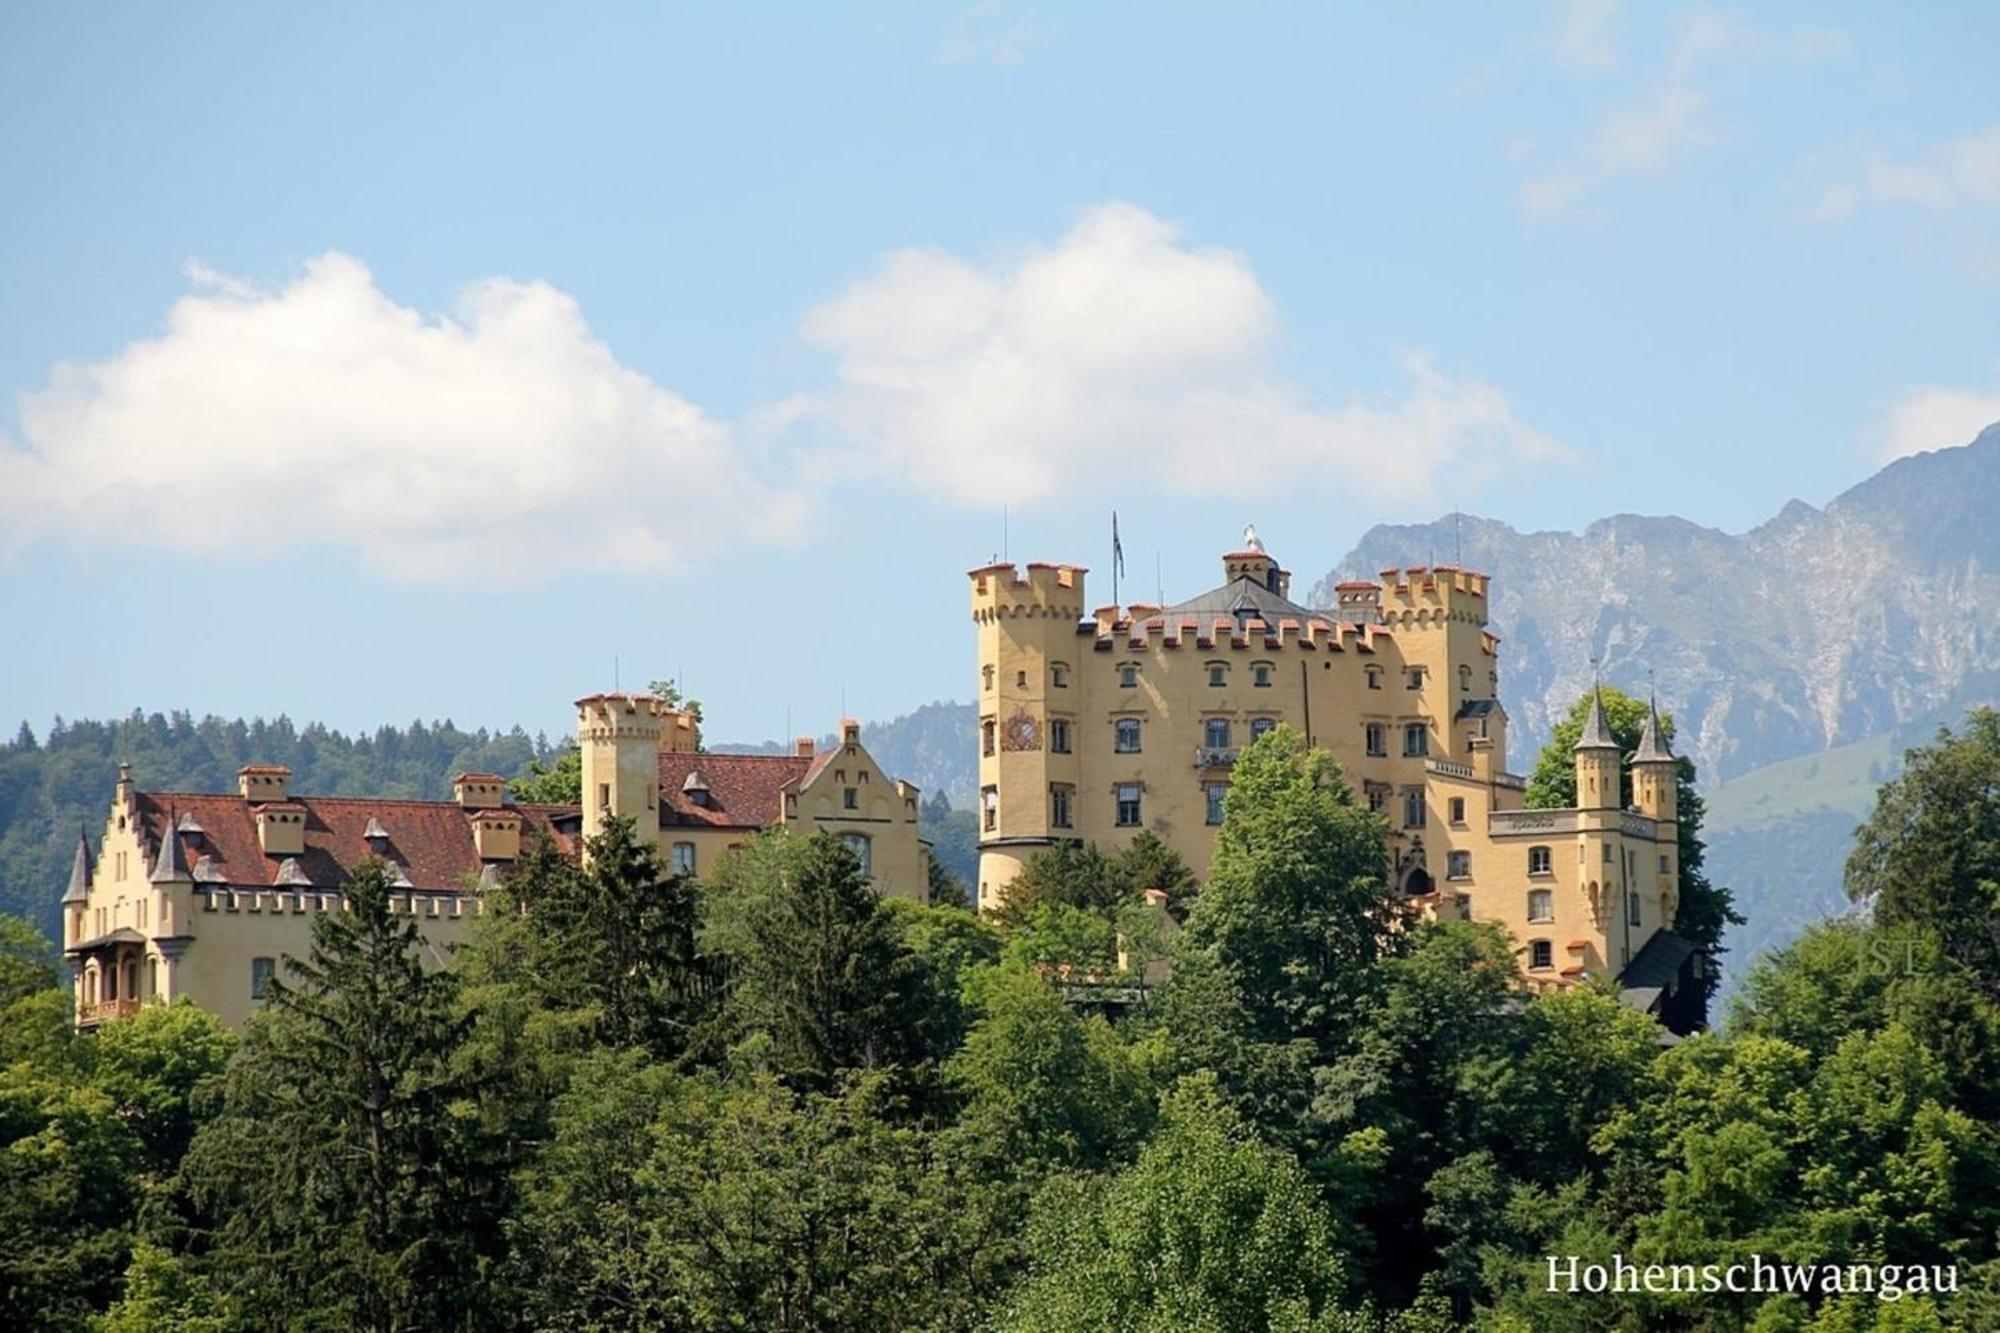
{"x": 1021, "y": 732}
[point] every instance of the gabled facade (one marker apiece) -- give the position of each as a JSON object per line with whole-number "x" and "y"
{"x": 199, "y": 894}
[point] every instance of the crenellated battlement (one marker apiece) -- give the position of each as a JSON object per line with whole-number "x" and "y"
{"x": 1046, "y": 590}
{"x": 1422, "y": 596}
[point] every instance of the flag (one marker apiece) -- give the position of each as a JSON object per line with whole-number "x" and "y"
{"x": 1117, "y": 548}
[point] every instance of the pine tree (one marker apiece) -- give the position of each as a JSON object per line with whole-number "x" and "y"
{"x": 349, "y": 1181}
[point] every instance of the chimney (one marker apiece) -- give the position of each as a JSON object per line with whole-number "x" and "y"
{"x": 478, "y": 791}
{"x": 850, "y": 731}
{"x": 496, "y": 834}
{"x": 264, "y": 782}
{"x": 804, "y": 747}
{"x": 281, "y": 828}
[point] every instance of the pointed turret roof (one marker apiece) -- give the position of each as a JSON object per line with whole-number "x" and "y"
{"x": 1596, "y": 735}
{"x": 1652, "y": 744}
{"x": 172, "y": 866}
{"x": 79, "y": 872}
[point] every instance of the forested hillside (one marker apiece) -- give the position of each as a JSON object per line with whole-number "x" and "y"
{"x": 50, "y": 786}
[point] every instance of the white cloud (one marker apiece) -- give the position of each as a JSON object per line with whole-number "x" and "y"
{"x": 1118, "y": 357}
{"x": 1582, "y": 37}
{"x": 994, "y": 32}
{"x": 501, "y": 439}
{"x": 1963, "y": 173}
{"x": 1934, "y": 416}
{"x": 1671, "y": 118}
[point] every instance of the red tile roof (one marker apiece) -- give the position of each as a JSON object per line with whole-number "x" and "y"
{"x": 432, "y": 840}
{"x": 744, "y": 790}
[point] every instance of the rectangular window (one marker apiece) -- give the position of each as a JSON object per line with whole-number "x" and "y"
{"x": 1060, "y": 799}
{"x": 1128, "y": 676}
{"x": 1378, "y": 739}
{"x": 1607, "y": 853}
{"x": 989, "y": 805}
{"x": 1059, "y": 675}
{"x": 604, "y": 796}
{"x": 864, "y": 852}
{"x": 989, "y": 736}
{"x": 1374, "y": 674}
{"x": 1260, "y": 725}
{"x": 1215, "y": 733}
{"x": 1414, "y": 678}
{"x": 1378, "y": 796}
{"x": 1416, "y": 740}
{"x": 261, "y": 972}
{"x": 1458, "y": 809}
{"x": 1539, "y": 861}
{"x": 1058, "y": 735}
{"x": 1125, "y": 735}
{"x": 1541, "y": 905}
{"x": 1215, "y": 792}
{"x": 850, "y": 798}
{"x": 1635, "y": 910}
{"x": 1413, "y": 807}
{"x": 1458, "y": 865}
{"x": 1260, "y": 677}
{"x": 1541, "y": 955}
{"x": 1663, "y": 863}
{"x": 1128, "y": 804}
{"x": 683, "y": 858}
{"x": 1217, "y": 674}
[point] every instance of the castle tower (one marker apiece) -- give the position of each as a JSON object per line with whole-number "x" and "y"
{"x": 1028, "y": 777}
{"x": 1438, "y": 618}
{"x": 1654, "y": 772}
{"x": 1597, "y": 760}
{"x": 621, "y": 736}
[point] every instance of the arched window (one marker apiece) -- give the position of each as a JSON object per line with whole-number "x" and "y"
{"x": 1260, "y": 675}
{"x": 1125, "y": 735}
{"x": 989, "y": 735}
{"x": 1218, "y": 674}
{"x": 863, "y": 848}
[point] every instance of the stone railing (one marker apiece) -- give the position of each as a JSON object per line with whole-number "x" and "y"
{"x": 86, "y": 1014}
{"x": 1532, "y": 821}
{"x": 1215, "y": 756}
{"x": 1449, "y": 768}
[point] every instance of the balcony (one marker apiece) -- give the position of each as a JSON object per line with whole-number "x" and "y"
{"x": 1216, "y": 756}
{"x": 89, "y": 1015}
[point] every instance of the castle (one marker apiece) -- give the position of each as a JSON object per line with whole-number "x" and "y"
{"x": 1095, "y": 725}
{"x": 199, "y": 895}
{"x": 1092, "y": 727}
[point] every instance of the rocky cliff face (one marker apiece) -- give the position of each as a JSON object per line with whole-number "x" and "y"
{"x": 1814, "y": 629}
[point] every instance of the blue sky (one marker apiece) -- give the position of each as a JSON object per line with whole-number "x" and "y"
{"x": 368, "y": 362}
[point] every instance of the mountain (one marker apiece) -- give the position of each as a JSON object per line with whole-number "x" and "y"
{"x": 1800, "y": 659}
{"x": 1815, "y": 629}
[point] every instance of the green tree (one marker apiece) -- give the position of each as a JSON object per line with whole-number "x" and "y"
{"x": 349, "y": 1185}
{"x": 163, "y": 1294}
{"x": 558, "y": 781}
{"x": 1208, "y": 1230}
{"x": 1066, "y": 874}
{"x": 1278, "y": 956}
{"x": 27, "y": 960}
{"x": 164, "y": 1069}
{"x": 818, "y": 973}
{"x": 1147, "y": 862}
{"x": 68, "y": 1197}
{"x": 1929, "y": 855}
{"x": 1705, "y": 911}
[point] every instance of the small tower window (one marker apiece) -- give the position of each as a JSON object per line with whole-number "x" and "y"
{"x": 989, "y": 805}
{"x": 1416, "y": 740}
{"x": 1663, "y": 863}
{"x": 1378, "y": 739}
{"x": 1541, "y": 955}
{"x": 1539, "y": 861}
{"x": 1541, "y": 905}
{"x": 1465, "y": 679}
{"x": 1020, "y": 680}
{"x": 1059, "y": 675}
{"x": 986, "y": 675}
{"x": 604, "y": 796}
{"x": 1125, "y": 736}
{"x": 1058, "y": 735}
{"x": 989, "y": 735}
